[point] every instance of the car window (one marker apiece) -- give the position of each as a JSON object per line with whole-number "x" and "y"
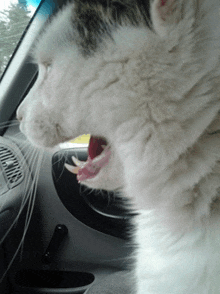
{"x": 14, "y": 18}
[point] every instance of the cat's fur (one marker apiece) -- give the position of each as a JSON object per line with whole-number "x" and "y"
{"x": 150, "y": 86}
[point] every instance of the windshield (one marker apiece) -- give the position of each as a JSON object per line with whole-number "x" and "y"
{"x": 14, "y": 18}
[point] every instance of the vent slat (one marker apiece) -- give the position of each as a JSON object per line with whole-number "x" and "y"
{"x": 11, "y": 166}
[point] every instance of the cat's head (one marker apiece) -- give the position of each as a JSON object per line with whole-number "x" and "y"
{"x": 108, "y": 67}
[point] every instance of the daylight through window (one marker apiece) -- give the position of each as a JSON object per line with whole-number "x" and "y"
{"x": 14, "y": 18}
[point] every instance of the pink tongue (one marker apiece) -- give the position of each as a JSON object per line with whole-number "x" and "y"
{"x": 91, "y": 168}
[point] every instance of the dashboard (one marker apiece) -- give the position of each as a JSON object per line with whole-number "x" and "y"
{"x": 15, "y": 178}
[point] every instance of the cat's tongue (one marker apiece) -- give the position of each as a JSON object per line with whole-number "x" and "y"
{"x": 99, "y": 154}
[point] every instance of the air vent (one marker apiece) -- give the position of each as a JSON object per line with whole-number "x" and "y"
{"x": 11, "y": 167}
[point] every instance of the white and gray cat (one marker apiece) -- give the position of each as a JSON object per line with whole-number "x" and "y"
{"x": 145, "y": 77}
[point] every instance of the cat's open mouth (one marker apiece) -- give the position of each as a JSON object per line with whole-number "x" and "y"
{"x": 98, "y": 156}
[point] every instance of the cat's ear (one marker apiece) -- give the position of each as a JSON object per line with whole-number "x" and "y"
{"x": 165, "y": 15}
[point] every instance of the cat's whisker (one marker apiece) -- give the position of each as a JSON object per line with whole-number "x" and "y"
{"x": 28, "y": 178}
{"x": 22, "y": 165}
{"x": 9, "y": 123}
{"x": 32, "y": 197}
{"x": 59, "y": 159}
{"x": 60, "y": 156}
{"x": 29, "y": 200}
{"x": 26, "y": 196}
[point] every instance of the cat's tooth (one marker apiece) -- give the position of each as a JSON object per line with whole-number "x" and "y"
{"x": 77, "y": 161}
{"x": 105, "y": 148}
{"x": 71, "y": 168}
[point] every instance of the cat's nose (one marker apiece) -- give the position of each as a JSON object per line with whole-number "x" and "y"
{"x": 19, "y": 116}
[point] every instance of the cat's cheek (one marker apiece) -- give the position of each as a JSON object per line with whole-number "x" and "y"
{"x": 104, "y": 181}
{"x": 110, "y": 177}
{"x": 37, "y": 129}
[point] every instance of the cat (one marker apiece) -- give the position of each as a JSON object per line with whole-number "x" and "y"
{"x": 144, "y": 77}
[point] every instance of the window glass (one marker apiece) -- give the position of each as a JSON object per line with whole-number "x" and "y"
{"x": 14, "y": 18}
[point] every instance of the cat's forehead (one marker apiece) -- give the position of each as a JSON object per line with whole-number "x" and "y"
{"x": 56, "y": 36}
{"x": 96, "y": 20}
{"x": 85, "y": 25}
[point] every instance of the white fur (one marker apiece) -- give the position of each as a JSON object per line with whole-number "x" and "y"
{"x": 155, "y": 97}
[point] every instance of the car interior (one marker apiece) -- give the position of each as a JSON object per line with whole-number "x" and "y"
{"x": 55, "y": 235}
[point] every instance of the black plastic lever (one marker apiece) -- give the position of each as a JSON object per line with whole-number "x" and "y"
{"x": 59, "y": 235}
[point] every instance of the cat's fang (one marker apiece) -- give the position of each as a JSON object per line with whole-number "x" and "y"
{"x": 77, "y": 161}
{"x": 71, "y": 168}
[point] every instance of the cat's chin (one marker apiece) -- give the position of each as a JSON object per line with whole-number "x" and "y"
{"x": 106, "y": 179}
